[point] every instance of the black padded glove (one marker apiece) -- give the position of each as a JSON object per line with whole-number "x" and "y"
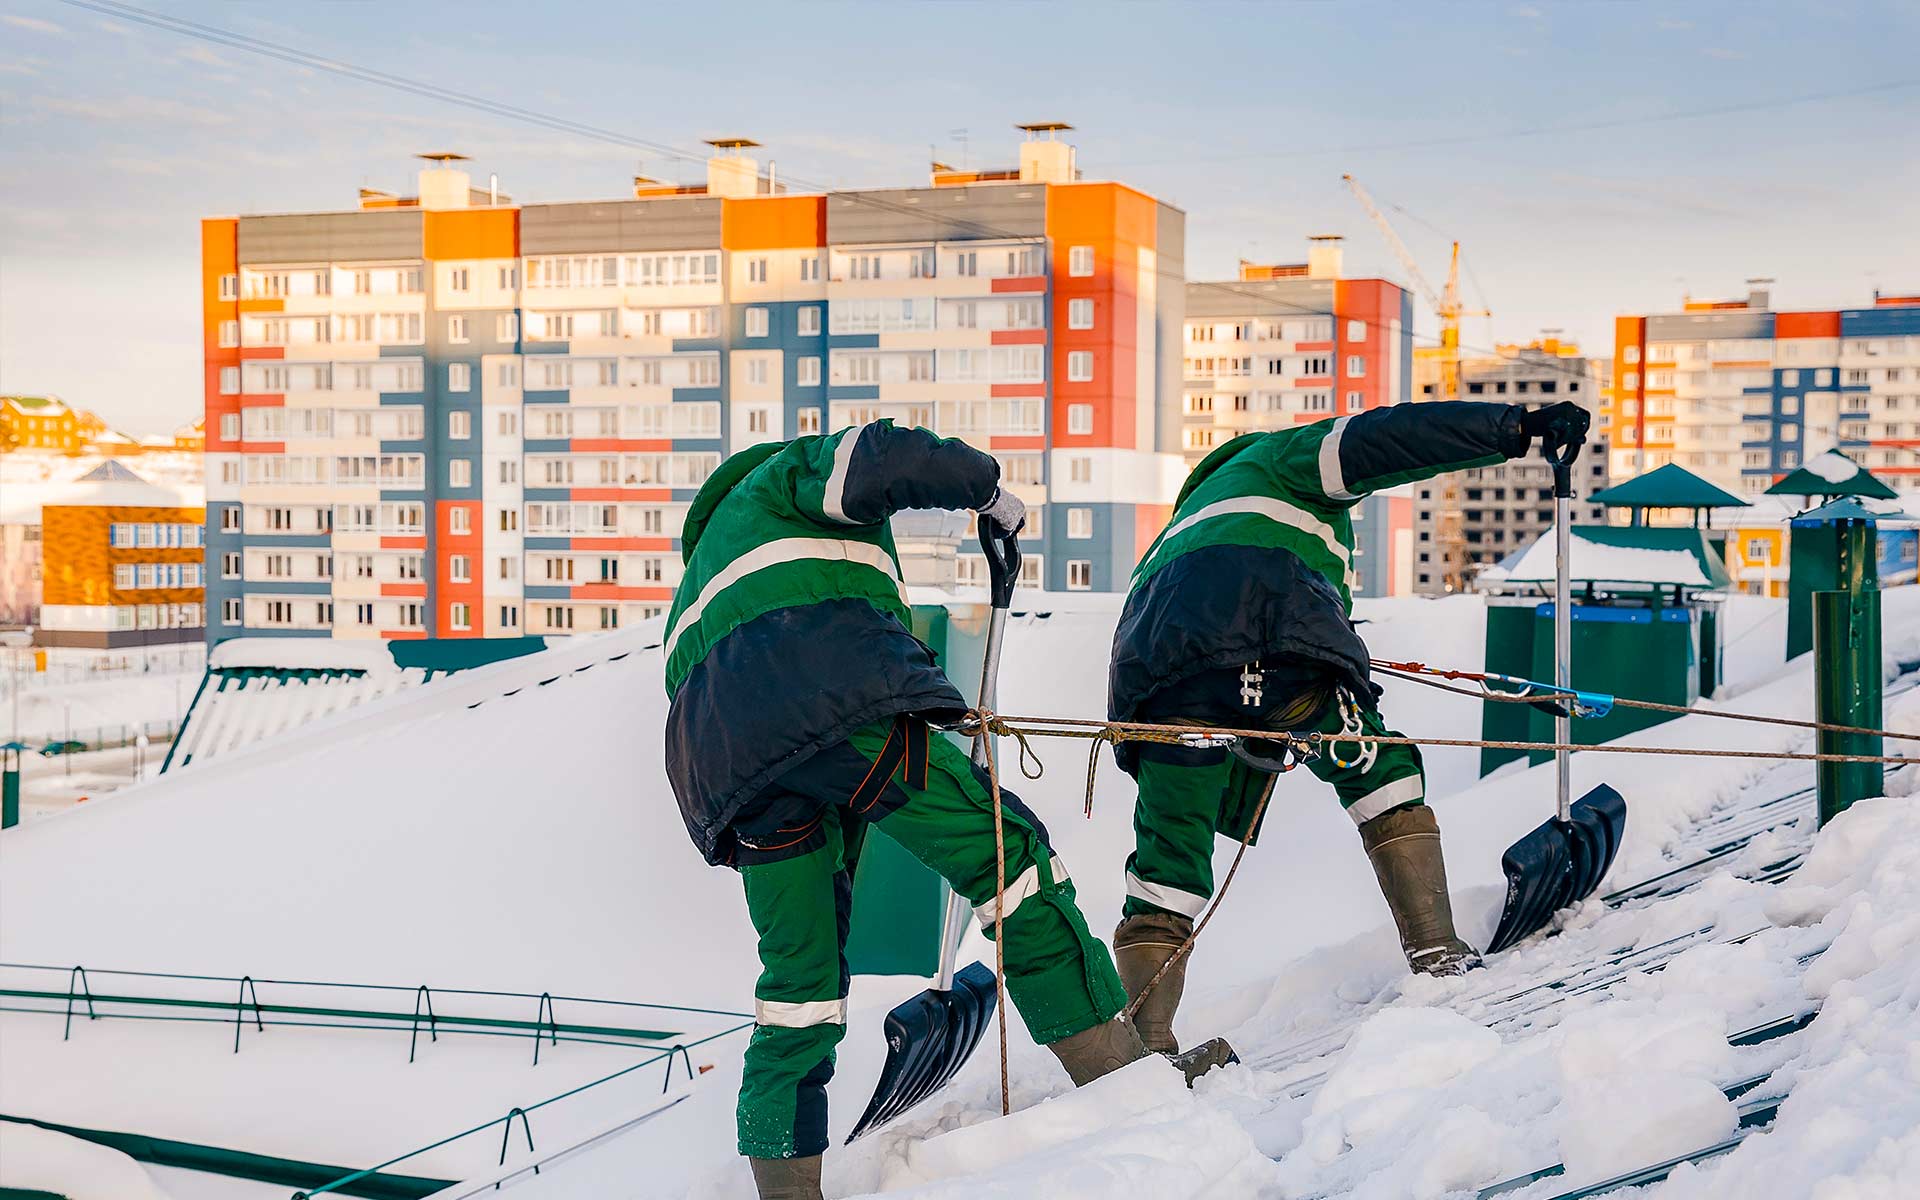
{"x": 1561, "y": 428}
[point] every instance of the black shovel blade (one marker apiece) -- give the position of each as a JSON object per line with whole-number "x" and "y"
{"x": 929, "y": 1038}
{"x": 1559, "y": 864}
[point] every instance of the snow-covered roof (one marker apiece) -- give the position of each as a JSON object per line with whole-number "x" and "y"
{"x": 510, "y": 827}
{"x": 1619, "y": 554}
{"x": 21, "y": 502}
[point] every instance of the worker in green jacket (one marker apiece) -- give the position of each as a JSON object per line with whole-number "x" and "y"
{"x": 1238, "y": 617}
{"x": 801, "y": 706}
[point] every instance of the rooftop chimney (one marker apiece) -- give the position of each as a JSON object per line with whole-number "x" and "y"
{"x": 1760, "y": 293}
{"x": 442, "y": 184}
{"x": 1046, "y": 159}
{"x": 1324, "y": 256}
{"x": 730, "y": 172}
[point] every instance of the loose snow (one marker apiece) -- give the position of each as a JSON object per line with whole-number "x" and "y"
{"x": 33, "y": 1159}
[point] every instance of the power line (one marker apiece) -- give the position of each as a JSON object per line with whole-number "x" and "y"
{"x": 1590, "y": 126}
{"x": 295, "y": 56}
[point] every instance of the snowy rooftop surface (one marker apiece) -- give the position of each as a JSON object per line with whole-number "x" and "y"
{"x": 22, "y": 501}
{"x": 1591, "y": 560}
{"x": 509, "y": 828}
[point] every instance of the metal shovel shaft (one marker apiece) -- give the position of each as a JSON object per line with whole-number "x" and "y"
{"x": 959, "y": 912}
{"x": 1563, "y": 648}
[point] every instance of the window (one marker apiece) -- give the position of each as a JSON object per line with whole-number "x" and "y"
{"x": 506, "y": 327}
{"x": 1356, "y": 366}
{"x": 809, "y": 418}
{"x": 756, "y": 270}
{"x": 1356, "y": 331}
{"x": 460, "y": 473}
{"x": 807, "y": 321}
{"x": 1356, "y": 400}
{"x": 1080, "y": 366}
{"x": 1079, "y": 522}
{"x": 810, "y": 269}
{"x": 230, "y": 519}
{"x": 1079, "y": 314}
{"x": 757, "y": 371}
{"x": 559, "y": 617}
{"x": 509, "y": 471}
{"x": 460, "y": 616}
{"x": 1079, "y": 418}
{"x": 229, "y": 333}
{"x": 807, "y": 372}
{"x": 967, "y": 262}
{"x": 459, "y": 377}
{"x": 230, "y": 427}
{"x": 757, "y": 321}
{"x": 230, "y": 565}
{"x": 757, "y": 417}
{"x": 229, "y": 381}
{"x": 1079, "y": 575}
{"x": 1080, "y": 469}
{"x": 459, "y": 568}
{"x": 1080, "y": 260}
{"x": 230, "y": 609}
{"x": 459, "y": 425}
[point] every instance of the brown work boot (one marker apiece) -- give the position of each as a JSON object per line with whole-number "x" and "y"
{"x": 787, "y": 1178}
{"x": 1404, "y": 846}
{"x": 1142, "y": 944}
{"x": 1105, "y": 1048}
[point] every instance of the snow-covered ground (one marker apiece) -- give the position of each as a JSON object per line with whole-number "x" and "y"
{"x": 510, "y": 828}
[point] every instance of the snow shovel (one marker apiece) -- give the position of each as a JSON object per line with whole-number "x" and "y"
{"x": 1560, "y": 863}
{"x": 930, "y": 1037}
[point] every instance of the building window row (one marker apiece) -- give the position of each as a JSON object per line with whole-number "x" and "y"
{"x": 155, "y": 535}
{"x": 132, "y": 576}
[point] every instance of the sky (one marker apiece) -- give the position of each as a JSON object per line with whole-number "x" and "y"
{"x": 1592, "y": 159}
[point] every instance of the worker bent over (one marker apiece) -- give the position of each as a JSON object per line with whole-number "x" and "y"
{"x": 1239, "y": 616}
{"x": 801, "y": 705}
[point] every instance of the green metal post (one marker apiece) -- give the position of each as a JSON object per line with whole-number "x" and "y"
{"x": 1846, "y": 672}
{"x": 10, "y": 791}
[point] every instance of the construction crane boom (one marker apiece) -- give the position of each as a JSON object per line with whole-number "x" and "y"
{"x": 1446, "y": 303}
{"x": 1394, "y": 243}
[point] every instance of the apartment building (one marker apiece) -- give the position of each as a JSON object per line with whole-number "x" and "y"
{"x": 1479, "y": 516}
{"x": 449, "y": 415}
{"x": 1295, "y": 342}
{"x": 1742, "y": 394}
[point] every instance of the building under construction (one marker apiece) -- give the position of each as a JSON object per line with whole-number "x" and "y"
{"x": 1476, "y": 517}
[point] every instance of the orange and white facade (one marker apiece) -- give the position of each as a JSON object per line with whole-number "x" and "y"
{"x": 453, "y": 416}
{"x": 1742, "y": 394}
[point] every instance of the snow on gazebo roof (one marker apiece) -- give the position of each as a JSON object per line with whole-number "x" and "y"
{"x": 1620, "y": 554}
{"x": 1832, "y": 474}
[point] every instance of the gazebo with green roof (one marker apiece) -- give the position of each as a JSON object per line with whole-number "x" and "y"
{"x": 1670, "y": 486}
{"x": 1832, "y": 475}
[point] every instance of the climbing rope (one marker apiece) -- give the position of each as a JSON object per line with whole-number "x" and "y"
{"x": 1411, "y": 672}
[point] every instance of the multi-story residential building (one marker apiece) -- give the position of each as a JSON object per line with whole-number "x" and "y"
{"x": 1290, "y": 343}
{"x": 1479, "y": 516}
{"x": 1742, "y": 394}
{"x": 119, "y": 563}
{"x": 448, "y": 415}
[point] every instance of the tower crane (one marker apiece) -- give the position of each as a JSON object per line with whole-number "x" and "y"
{"x": 1445, "y": 304}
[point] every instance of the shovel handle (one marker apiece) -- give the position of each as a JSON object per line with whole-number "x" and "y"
{"x": 1003, "y": 572}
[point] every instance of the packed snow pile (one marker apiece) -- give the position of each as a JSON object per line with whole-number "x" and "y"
{"x": 510, "y": 828}
{"x": 37, "y": 1161}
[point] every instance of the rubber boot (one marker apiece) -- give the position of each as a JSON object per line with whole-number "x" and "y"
{"x": 1404, "y": 846}
{"x": 1142, "y": 944}
{"x": 787, "y": 1178}
{"x": 1105, "y": 1048}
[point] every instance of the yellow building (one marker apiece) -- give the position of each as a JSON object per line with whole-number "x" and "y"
{"x": 1756, "y": 555}
{"x": 39, "y": 423}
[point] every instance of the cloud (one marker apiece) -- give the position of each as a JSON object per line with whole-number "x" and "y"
{"x": 203, "y": 56}
{"x": 29, "y": 66}
{"x": 35, "y": 24}
{"x": 1526, "y": 12}
{"x": 1672, "y": 24}
{"x": 1724, "y": 54}
{"x": 130, "y": 109}
{"x": 139, "y": 166}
